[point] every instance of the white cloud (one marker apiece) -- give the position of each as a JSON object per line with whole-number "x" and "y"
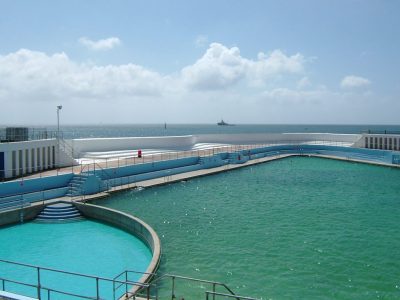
{"x": 201, "y": 41}
{"x": 100, "y": 45}
{"x": 32, "y": 83}
{"x": 352, "y": 81}
{"x": 278, "y": 62}
{"x": 303, "y": 83}
{"x": 30, "y": 76}
{"x": 221, "y": 67}
{"x": 37, "y": 76}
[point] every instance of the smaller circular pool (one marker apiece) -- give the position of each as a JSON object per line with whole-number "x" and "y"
{"x": 87, "y": 247}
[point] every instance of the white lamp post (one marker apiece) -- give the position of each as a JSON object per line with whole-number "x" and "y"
{"x": 59, "y": 107}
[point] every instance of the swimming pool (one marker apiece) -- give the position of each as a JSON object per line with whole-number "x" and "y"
{"x": 294, "y": 228}
{"x": 87, "y": 247}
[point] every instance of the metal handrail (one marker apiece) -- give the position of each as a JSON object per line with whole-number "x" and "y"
{"x": 127, "y": 293}
{"x": 3, "y": 280}
{"x": 33, "y": 192}
{"x": 65, "y": 272}
{"x": 39, "y": 287}
{"x": 49, "y": 291}
{"x": 183, "y": 154}
{"x": 66, "y": 146}
{"x": 173, "y": 277}
{"x": 393, "y": 132}
{"x": 179, "y": 154}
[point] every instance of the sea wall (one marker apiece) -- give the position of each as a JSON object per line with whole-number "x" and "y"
{"x": 134, "y": 143}
{"x": 266, "y": 138}
{"x": 123, "y": 171}
{"x": 362, "y": 154}
{"x": 187, "y": 142}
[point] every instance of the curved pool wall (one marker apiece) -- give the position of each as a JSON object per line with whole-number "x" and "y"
{"x": 132, "y": 225}
{"x": 109, "y": 216}
{"x": 113, "y": 217}
{"x": 24, "y": 192}
{"x": 19, "y": 215}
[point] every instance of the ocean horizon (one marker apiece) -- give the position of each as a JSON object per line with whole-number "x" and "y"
{"x": 78, "y": 131}
{"x": 140, "y": 130}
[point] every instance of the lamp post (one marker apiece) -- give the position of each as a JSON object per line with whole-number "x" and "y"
{"x": 59, "y": 107}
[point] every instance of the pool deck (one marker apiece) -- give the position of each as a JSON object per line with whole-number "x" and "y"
{"x": 93, "y": 164}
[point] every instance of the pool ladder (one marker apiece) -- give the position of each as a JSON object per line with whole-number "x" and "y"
{"x": 157, "y": 288}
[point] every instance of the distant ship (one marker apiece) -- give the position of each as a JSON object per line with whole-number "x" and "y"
{"x": 223, "y": 123}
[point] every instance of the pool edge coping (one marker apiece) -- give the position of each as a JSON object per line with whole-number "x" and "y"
{"x": 89, "y": 211}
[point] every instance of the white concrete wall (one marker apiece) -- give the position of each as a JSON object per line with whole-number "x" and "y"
{"x": 187, "y": 142}
{"x": 22, "y": 169}
{"x": 395, "y": 139}
{"x": 134, "y": 143}
{"x": 276, "y": 138}
{"x": 78, "y": 146}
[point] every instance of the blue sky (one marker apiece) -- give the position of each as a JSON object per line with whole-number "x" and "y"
{"x": 195, "y": 62}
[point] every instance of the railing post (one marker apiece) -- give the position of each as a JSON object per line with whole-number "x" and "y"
{"x": 173, "y": 288}
{"x": 213, "y": 291}
{"x": 97, "y": 288}
{"x": 126, "y": 284}
{"x": 3, "y": 285}
{"x": 114, "y": 289}
{"x": 38, "y": 283}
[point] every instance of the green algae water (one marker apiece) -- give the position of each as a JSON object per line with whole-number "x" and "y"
{"x": 86, "y": 247}
{"x": 297, "y": 228}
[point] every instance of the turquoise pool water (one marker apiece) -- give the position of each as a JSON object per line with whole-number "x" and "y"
{"x": 86, "y": 247}
{"x": 298, "y": 228}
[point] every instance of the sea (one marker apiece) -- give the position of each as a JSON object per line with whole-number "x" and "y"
{"x": 138, "y": 130}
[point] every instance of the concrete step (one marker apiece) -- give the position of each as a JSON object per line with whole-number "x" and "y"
{"x": 59, "y": 212}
